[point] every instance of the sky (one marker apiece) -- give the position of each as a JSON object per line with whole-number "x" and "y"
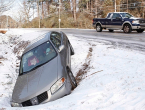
{"x": 15, "y": 7}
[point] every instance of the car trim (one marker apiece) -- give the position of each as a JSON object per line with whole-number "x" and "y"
{"x": 137, "y": 27}
{"x": 99, "y": 23}
{"x": 126, "y": 22}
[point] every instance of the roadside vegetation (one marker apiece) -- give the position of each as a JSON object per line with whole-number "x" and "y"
{"x": 66, "y": 22}
{"x": 73, "y": 13}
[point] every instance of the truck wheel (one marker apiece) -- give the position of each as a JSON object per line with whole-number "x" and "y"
{"x": 127, "y": 28}
{"x": 98, "y": 28}
{"x": 140, "y": 30}
{"x": 110, "y": 30}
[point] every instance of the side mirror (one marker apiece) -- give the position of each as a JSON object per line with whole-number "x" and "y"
{"x": 61, "y": 48}
{"x": 17, "y": 70}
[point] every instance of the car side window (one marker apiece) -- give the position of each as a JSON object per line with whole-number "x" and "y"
{"x": 56, "y": 39}
{"x": 115, "y": 15}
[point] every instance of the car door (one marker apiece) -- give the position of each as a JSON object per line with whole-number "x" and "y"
{"x": 116, "y": 21}
{"x": 58, "y": 40}
{"x": 108, "y": 20}
{"x": 67, "y": 50}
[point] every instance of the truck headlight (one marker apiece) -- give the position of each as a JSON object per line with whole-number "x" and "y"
{"x": 135, "y": 22}
{"x": 13, "y": 104}
{"x": 57, "y": 85}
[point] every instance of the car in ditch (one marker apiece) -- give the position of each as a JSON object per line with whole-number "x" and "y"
{"x": 45, "y": 71}
{"x": 119, "y": 21}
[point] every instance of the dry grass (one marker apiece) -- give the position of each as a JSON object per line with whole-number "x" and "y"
{"x": 20, "y": 46}
{"x": 85, "y": 67}
{"x": 81, "y": 72}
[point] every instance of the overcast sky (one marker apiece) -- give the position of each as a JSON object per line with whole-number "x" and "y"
{"x": 15, "y": 7}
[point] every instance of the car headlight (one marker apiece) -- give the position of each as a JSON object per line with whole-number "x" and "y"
{"x": 57, "y": 85}
{"x": 13, "y": 104}
{"x": 135, "y": 22}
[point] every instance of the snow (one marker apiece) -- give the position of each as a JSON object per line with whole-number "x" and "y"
{"x": 113, "y": 80}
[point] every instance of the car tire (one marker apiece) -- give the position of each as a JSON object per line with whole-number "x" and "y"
{"x": 98, "y": 28}
{"x": 127, "y": 28}
{"x": 140, "y": 30}
{"x": 72, "y": 79}
{"x": 111, "y": 30}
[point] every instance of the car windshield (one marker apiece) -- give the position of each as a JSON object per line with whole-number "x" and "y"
{"x": 126, "y": 15}
{"x": 37, "y": 57}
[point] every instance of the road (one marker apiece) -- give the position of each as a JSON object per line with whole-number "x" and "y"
{"x": 134, "y": 40}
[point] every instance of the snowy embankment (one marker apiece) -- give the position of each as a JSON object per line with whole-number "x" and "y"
{"x": 109, "y": 78}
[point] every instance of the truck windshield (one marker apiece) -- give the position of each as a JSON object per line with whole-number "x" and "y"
{"x": 37, "y": 57}
{"x": 126, "y": 15}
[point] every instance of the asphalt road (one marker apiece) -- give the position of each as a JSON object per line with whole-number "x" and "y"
{"x": 134, "y": 40}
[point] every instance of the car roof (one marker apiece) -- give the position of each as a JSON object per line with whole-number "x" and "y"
{"x": 38, "y": 41}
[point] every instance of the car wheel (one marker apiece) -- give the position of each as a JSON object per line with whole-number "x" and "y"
{"x": 98, "y": 28}
{"x": 140, "y": 30}
{"x": 127, "y": 28}
{"x": 72, "y": 79}
{"x": 110, "y": 30}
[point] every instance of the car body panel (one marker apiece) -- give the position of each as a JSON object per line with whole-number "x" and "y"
{"x": 37, "y": 80}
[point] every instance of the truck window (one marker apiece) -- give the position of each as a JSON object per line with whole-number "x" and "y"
{"x": 109, "y": 15}
{"x": 115, "y": 15}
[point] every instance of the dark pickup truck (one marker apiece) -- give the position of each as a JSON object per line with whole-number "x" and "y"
{"x": 119, "y": 20}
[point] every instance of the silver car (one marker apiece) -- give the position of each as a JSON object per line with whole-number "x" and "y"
{"x": 45, "y": 71}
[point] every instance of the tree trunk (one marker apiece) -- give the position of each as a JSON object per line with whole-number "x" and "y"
{"x": 42, "y": 11}
{"x": 143, "y": 9}
{"x": 47, "y": 7}
{"x": 91, "y": 5}
{"x": 38, "y": 9}
{"x": 96, "y": 10}
{"x": 87, "y": 5}
{"x": 74, "y": 10}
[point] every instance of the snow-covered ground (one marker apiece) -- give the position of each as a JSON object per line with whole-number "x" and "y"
{"x": 112, "y": 78}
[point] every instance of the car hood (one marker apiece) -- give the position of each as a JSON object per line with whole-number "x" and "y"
{"x": 134, "y": 18}
{"x": 35, "y": 82}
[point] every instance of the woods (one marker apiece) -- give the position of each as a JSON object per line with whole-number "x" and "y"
{"x": 72, "y": 13}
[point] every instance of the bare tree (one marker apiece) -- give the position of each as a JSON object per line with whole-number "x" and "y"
{"x": 5, "y": 7}
{"x": 74, "y": 10}
{"x": 27, "y": 11}
{"x": 20, "y": 18}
